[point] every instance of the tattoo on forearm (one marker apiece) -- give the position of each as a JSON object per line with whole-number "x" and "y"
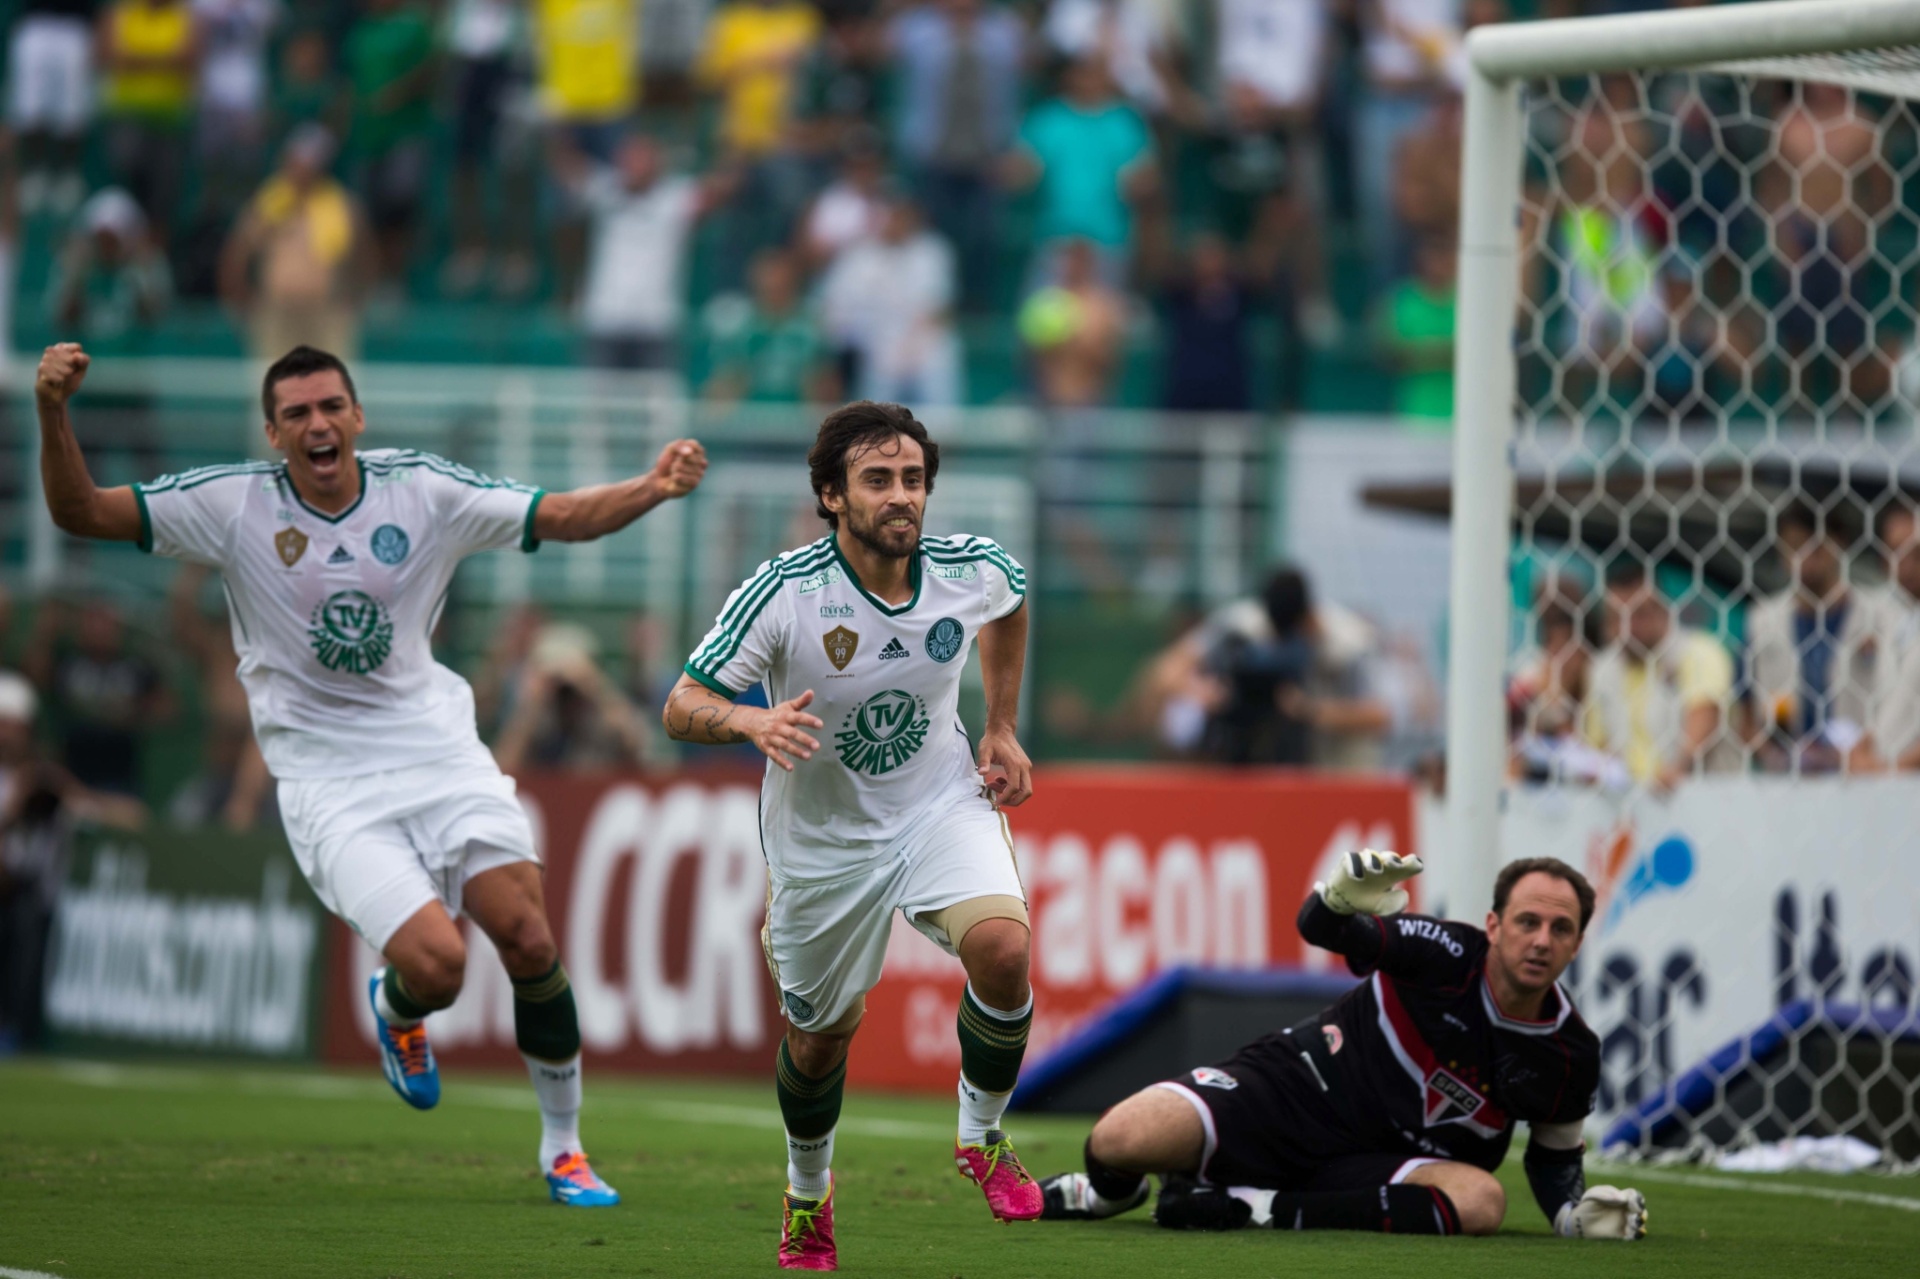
{"x": 702, "y": 721}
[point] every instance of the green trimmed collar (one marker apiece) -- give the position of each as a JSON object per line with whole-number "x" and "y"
{"x": 360, "y": 466}
{"x": 914, "y": 576}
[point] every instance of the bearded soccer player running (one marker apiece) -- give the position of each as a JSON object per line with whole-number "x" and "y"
{"x": 862, "y": 636}
{"x": 1390, "y": 1110}
{"x": 336, "y": 564}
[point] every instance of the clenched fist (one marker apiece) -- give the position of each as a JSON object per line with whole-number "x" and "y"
{"x": 680, "y": 467}
{"x": 63, "y": 367}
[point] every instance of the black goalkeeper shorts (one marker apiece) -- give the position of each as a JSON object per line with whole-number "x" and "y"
{"x": 1268, "y": 1125}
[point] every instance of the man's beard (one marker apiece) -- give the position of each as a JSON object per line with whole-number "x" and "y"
{"x": 875, "y": 536}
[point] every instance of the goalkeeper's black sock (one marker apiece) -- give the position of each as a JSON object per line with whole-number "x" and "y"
{"x": 1115, "y": 1185}
{"x": 1390, "y": 1210}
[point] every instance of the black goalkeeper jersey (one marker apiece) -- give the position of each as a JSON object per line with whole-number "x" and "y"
{"x": 1418, "y": 1057}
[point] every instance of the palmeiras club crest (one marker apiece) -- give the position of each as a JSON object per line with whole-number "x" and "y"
{"x": 292, "y": 544}
{"x": 841, "y": 644}
{"x": 351, "y": 632}
{"x": 883, "y": 732}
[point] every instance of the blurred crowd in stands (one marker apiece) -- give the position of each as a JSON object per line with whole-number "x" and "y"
{"x": 868, "y": 177}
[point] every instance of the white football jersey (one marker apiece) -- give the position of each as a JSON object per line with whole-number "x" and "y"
{"x": 885, "y": 681}
{"x": 332, "y": 613}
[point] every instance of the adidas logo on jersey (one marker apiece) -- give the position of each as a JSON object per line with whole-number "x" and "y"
{"x": 894, "y": 649}
{"x": 341, "y": 555}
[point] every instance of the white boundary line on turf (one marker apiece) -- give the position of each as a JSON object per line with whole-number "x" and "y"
{"x": 6, "y": 1273}
{"x": 100, "y": 1074}
{"x": 1633, "y": 1172}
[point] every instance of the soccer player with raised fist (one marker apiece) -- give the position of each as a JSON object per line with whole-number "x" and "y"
{"x": 336, "y": 563}
{"x": 874, "y": 800}
{"x": 1391, "y": 1109}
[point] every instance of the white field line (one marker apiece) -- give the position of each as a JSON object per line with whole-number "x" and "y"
{"x": 6, "y": 1273}
{"x": 492, "y": 1096}
{"x": 1633, "y": 1172}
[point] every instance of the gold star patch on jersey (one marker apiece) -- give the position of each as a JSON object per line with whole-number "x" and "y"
{"x": 841, "y": 645}
{"x": 292, "y": 544}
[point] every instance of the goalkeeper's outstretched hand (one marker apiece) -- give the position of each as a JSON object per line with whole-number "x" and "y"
{"x": 1605, "y": 1212}
{"x": 1368, "y": 883}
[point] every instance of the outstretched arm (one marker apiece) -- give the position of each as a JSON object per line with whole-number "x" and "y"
{"x": 1004, "y": 767}
{"x": 585, "y": 514}
{"x": 1342, "y": 915}
{"x": 1556, "y": 1171}
{"x": 695, "y": 713}
{"x": 78, "y": 506}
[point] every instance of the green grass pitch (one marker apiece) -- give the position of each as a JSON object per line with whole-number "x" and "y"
{"x": 123, "y": 1170}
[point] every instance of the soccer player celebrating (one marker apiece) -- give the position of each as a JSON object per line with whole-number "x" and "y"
{"x": 860, "y": 638}
{"x": 336, "y": 564}
{"x": 1391, "y": 1109}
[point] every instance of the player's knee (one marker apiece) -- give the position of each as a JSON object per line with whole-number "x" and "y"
{"x": 435, "y": 974}
{"x": 815, "y": 1056}
{"x": 1120, "y": 1140}
{"x": 1481, "y": 1202}
{"x": 997, "y": 952}
{"x": 526, "y": 946}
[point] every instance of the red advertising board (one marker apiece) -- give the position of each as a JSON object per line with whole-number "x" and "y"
{"x": 657, "y": 889}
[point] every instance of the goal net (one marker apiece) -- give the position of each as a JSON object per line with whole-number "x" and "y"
{"x": 1696, "y": 582}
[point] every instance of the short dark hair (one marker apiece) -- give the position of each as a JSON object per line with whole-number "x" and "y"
{"x": 1288, "y": 600}
{"x": 1513, "y": 872}
{"x": 299, "y": 362}
{"x": 850, "y": 429}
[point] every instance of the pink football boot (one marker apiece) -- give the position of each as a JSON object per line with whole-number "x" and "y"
{"x": 1011, "y": 1193}
{"x": 806, "y": 1233}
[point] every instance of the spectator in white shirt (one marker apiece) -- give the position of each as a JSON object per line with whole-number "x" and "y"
{"x": 233, "y": 97}
{"x": 1411, "y": 53}
{"x": 851, "y": 208}
{"x": 1269, "y": 68}
{"x": 642, "y": 217}
{"x": 890, "y": 297}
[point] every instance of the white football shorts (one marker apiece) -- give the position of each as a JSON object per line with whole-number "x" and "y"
{"x": 826, "y": 939}
{"x": 379, "y": 847}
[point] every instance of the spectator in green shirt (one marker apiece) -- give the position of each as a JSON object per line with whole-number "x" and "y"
{"x": 768, "y": 349}
{"x": 1414, "y": 335}
{"x": 1090, "y": 158}
{"x": 389, "y": 56}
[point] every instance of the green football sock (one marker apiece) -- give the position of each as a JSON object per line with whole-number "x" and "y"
{"x": 992, "y": 1043}
{"x": 810, "y": 1107}
{"x": 811, "y": 1110}
{"x": 545, "y": 1022}
{"x": 399, "y": 999}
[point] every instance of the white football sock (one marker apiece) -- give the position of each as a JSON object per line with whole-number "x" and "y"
{"x": 386, "y": 1012}
{"x": 556, "y": 1085}
{"x": 979, "y": 1111}
{"x": 807, "y": 1165}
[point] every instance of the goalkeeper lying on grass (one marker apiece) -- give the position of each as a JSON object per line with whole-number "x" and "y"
{"x": 1389, "y": 1110}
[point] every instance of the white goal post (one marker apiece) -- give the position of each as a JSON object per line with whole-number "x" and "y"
{"x": 1685, "y": 596}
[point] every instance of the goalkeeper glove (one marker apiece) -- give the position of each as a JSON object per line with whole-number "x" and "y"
{"x": 1368, "y": 883}
{"x": 1604, "y": 1212}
